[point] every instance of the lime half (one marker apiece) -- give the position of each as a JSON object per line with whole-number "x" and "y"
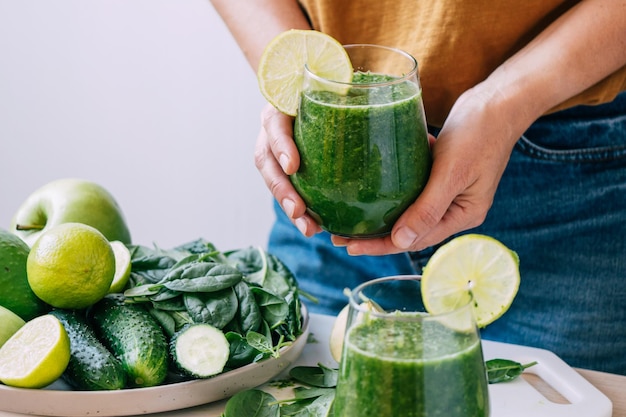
{"x": 281, "y": 68}
{"x": 471, "y": 266}
{"x": 122, "y": 266}
{"x": 36, "y": 355}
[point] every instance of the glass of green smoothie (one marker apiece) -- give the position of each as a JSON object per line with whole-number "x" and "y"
{"x": 398, "y": 360}
{"x": 364, "y": 152}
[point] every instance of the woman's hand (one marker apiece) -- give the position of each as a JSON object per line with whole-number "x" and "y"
{"x": 276, "y": 157}
{"x": 469, "y": 158}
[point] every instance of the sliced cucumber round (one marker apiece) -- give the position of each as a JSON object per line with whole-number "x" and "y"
{"x": 200, "y": 350}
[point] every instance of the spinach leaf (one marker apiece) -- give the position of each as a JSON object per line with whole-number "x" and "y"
{"x": 321, "y": 406}
{"x": 252, "y": 403}
{"x": 176, "y": 303}
{"x": 252, "y": 262}
{"x": 165, "y": 320}
{"x": 249, "y": 314}
{"x": 144, "y": 290}
{"x": 261, "y": 343}
{"x": 215, "y": 308}
{"x": 303, "y": 393}
{"x": 148, "y": 265}
{"x": 201, "y": 277}
{"x": 292, "y": 326}
{"x": 196, "y": 246}
{"x": 503, "y": 370}
{"x": 241, "y": 353}
{"x": 315, "y": 376}
{"x": 274, "y": 309}
{"x": 279, "y": 278}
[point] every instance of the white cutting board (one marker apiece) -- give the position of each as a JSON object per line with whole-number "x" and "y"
{"x": 519, "y": 398}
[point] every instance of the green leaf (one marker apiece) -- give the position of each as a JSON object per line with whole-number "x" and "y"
{"x": 274, "y": 309}
{"x": 320, "y": 407}
{"x": 316, "y": 376}
{"x": 144, "y": 290}
{"x": 504, "y": 370}
{"x": 215, "y": 308}
{"x": 260, "y": 342}
{"x": 252, "y": 403}
{"x": 149, "y": 265}
{"x": 165, "y": 320}
{"x": 252, "y": 262}
{"x": 241, "y": 353}
{"x": 249, "y": 314}
{"x": 196, "y": 246}
{"x": 201, "y": 277}
{"x": 306, "y": 393}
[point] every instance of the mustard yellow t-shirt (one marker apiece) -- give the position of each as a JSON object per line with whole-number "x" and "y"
{"x": 457, "y": 43}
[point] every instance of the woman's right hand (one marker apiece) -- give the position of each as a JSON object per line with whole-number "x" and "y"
{"x": 276, "y": 157}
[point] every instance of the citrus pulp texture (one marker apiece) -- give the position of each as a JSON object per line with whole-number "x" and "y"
{"x": 281, "y": 67}
{"x": 471, "y": 267}
{"x": 71, "y": 266}
{"x": 36, "y": 355}
{"x": 15, "y": 292}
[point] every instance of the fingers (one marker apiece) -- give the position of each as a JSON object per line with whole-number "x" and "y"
{"x": 276, "y": 157}
{"x": 278, "y": 131}
{"x": 431, "y": 219}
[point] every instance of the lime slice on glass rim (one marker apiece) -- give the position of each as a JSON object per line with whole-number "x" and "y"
{"x": 282, "y": 64}
{"x": 470, "y": 267}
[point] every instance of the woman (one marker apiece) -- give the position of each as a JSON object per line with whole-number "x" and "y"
{"x": 526, "y": 101}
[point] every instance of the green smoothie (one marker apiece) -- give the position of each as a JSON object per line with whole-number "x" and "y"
{"x": 380, "y": 377}
{"x": 364, "y": 155}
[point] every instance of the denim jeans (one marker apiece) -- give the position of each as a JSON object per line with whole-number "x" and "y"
{"x": 561, "y": 205}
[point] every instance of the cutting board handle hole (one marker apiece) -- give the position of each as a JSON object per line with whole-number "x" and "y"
{"x": 544, "y": 388}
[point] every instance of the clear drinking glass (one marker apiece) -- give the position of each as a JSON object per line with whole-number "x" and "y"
{"x": 364, "y": 152}
{"x": 398, "y": 360}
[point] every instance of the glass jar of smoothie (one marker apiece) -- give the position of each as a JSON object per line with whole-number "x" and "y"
{"x": 398, "y": 360}
{"x": 364, "y": 152}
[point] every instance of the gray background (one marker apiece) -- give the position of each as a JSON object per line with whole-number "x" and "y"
{"x": 150, "y": 98}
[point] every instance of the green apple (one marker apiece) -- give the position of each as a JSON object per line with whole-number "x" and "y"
{"x": 70, "y": 200}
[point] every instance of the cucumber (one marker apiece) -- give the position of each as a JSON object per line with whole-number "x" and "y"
{"x": 136, "y": 339}
{"x": 92, "y": 367}
{"x": 200, "y": 350}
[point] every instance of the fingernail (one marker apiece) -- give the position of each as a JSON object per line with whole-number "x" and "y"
{"x": 301, "y": 225}
{"x": 404, "y": 237}
{"x": 283, "y": 160}
{"x": 289, "y": 207}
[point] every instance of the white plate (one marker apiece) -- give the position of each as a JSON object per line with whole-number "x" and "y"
{"x": 57, "y": 401}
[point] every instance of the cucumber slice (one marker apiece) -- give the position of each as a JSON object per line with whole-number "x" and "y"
{"x": 200, "y": 350}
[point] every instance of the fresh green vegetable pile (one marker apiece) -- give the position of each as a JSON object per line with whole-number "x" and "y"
{"x": 241, "y": 306}
{"x": 248, "y": 294}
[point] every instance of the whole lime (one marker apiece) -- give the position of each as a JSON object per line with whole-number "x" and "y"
{"x": 71, "y": 266}
{"x": 15, "y": 292}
